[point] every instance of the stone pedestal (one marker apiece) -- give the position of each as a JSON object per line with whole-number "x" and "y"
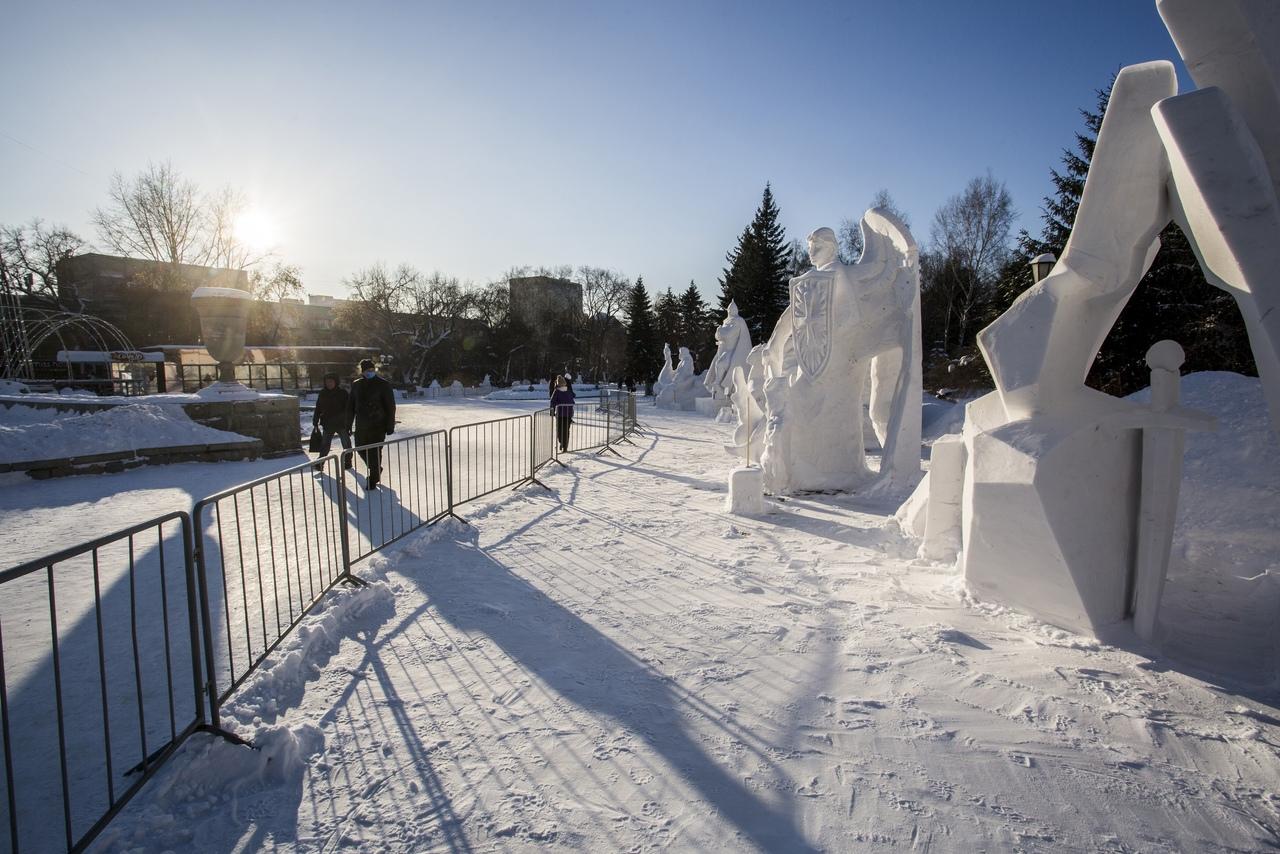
{"x": 746, "y": 491}
{"x": 271, "y": 418}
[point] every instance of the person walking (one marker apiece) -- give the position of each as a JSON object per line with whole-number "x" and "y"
{"x": 330, "y": 419}
{"x": 562, "y": 408}
{"x": 371, "y": 414}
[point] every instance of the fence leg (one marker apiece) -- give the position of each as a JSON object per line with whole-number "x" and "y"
{"x": 448, "y": 475}
{"x": 196, "y": 554}
{"x": 607, "y": 445}
{"x": 344, "y": 536}
{"x": 533, "y": 453}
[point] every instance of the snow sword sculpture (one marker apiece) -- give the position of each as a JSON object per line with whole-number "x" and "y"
{"x": 1051, "y": 474}
{"x": 846, "y": 323}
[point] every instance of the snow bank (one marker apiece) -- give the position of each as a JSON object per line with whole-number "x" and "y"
{"x": 29, "y": 433}
{"x": 537, "y": 392}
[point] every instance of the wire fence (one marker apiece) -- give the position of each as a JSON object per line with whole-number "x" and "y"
{"x": 133, "y": 641}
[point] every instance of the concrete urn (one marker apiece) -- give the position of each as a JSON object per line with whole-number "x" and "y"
{"x": 224, "y": 317}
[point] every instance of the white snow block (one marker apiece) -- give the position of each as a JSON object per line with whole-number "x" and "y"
{"x": 1050, "y": 514}
{"x": 746, "y": 491}
{"x": 943, "y": 518}
{"x": 709, "y": 406}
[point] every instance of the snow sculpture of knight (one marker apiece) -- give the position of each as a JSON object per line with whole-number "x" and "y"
{"x": 733, "y": 343}
{"x": 846, "y": 323}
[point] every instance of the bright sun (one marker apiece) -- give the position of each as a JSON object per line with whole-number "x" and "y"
{"x": 256, "y": 229}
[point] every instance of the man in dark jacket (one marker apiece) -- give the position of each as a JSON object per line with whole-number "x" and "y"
{"x": 331, "y": 418}
{"x": 371, "y": 412}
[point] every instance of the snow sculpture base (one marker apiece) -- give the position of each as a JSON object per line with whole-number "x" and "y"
{"x": 943, "y": 517}
{"x": 746, "y": 492}
{"x": 227, "y": 391}
{"x": 709, "y": 406}
{"x": 1052, "y": 511}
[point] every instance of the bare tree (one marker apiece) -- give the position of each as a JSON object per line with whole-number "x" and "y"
{"x": 158, "y": 215}
{"x": 270, "y": 288}
{"x": 970, "y": 235}
{"x": 604, "y": 293}
{"x": 439, "y": 302}
{"x": 29, "y": 258}
{"x": 161, "y": 216}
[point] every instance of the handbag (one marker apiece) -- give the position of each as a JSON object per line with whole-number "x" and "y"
{"x": 316, "y": 445}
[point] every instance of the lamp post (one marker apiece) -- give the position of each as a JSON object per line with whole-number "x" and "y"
{"x": 1042, "y": 265}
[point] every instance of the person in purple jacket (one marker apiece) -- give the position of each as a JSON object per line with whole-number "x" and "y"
{"x": 562, "y": 408}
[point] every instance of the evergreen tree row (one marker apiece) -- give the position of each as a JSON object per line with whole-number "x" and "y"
{"x": 678, "y": 321}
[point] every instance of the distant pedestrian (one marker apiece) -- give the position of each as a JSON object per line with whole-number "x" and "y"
{"x": 331, "y": 419}
{"x": 562, "y": 399}
{"x": 371, "y": 414}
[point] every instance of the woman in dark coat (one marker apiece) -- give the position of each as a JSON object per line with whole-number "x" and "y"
{"x": 562, "y": 408}
{"x": 330, "y": 418}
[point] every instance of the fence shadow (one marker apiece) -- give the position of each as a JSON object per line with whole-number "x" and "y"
{"x": 467, "y": 584}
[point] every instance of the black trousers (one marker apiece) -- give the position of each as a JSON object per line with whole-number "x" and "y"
{"x": 372, "y": 456}
{"x": 562, "y": 430}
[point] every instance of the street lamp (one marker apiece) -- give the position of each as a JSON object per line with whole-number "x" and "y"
{"x": 1042, "y": 265}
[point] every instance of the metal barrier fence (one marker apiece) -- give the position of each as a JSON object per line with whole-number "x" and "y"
{"x": 490, "y": 455}
{"x": 181, "y": 609}
{"x": 413, "y": 491}
{"x": 265, "y": 552}
{"x": 105, "y": 643}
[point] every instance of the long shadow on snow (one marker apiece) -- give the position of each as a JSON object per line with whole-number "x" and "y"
{"x": 587, "y": 668}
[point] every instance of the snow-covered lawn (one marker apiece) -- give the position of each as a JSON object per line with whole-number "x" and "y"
{"x": 617, "y": 665}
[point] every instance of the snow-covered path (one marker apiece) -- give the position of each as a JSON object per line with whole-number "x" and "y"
{"x": 617, "y": 665}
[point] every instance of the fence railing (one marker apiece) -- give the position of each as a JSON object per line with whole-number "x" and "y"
{"x": 413, "y": 490}
{"x": 133, "y": 641}
{"x": 99, "y": 677}
{"x": 265, "y": 552}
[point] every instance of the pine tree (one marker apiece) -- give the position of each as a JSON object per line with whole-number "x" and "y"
{"x": 666, "y": 313}
{"x": 756, "y": 277}
{"x": 644, "y": 354}
{"x": 697, "y": 327}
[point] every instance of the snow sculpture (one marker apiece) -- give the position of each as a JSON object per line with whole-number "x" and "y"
{"x": 846, "y": 323}
{"x": 485, "y": 383}
{"x": 733, "y": 344}
{"x": 455, "y": 389}
{"x": 1058, "y": 497}
{"x": 667, "y": 372}
{"x": 685, "y": 386}
{"x": 748, "y": 406}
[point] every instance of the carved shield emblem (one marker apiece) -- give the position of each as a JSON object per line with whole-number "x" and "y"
{"x": 811, "y": 319}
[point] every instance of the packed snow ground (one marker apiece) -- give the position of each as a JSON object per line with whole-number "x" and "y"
{"x": 618, "y": 665}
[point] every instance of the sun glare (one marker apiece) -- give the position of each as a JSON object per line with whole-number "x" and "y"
{"x": 256, "y": 228}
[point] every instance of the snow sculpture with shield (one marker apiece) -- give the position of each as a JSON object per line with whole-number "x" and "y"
{"x": 1045, "y": 482}
{"x": 733, "y": 344}
{"x": 846, "y": 324}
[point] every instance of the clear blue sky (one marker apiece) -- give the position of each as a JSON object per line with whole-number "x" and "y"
{"x": 472, "y": 136}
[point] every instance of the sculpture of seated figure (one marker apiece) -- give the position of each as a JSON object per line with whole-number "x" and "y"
{"x": 733, "y": 344}
{"x": 685, "y": 386}
{"x": 846, "y": 323}
{"x": 664, "y": 375}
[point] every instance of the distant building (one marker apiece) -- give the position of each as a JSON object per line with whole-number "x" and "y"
{"x": 151, "y": 301}
{"x": 540, "y": 301}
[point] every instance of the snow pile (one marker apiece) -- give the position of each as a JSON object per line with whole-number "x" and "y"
{"x": 28, "y": 433}
{"x": 279, "y": 680}
{"x": 12, "y": 387}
